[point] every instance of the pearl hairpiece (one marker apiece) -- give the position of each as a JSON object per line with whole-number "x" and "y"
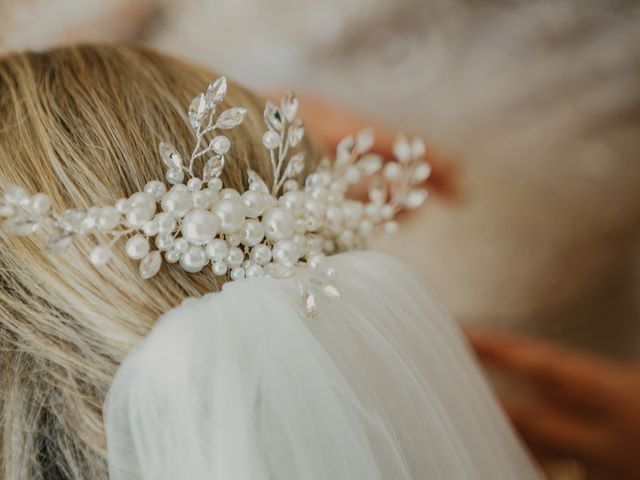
{"x": 263, "y": 231}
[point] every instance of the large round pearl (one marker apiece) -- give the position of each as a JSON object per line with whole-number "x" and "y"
{"x": 235, "y": 257}
{"x": 254, "y": 203}
{"x": 253, "y": 233}
{"x": 279, "y": 223}
{"x": 286, "y": 252}
{"x": 193, "y": 259}
{"x": 217, "y": 250}
{"x": 177, "y": 202}
{"x": 107, "y": 218}
{"x": 137, "y": 247}
{"x": 200, "y": 226}
{"x": 231, "y": 213}
{"x": 142, "y": 206}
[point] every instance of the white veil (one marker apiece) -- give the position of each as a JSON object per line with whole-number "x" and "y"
{"x": 240, "y": 385}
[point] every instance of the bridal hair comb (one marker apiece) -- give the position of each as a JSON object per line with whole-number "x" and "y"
{"x": 263, "y": 231}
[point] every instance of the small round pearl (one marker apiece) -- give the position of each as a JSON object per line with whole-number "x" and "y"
{"x": 194, "y": 184}
{"x": 252, "y": 270}
{"x": 200, "y": 226}
{"x": 237, "y": 273}
{"x": 373, "y": 211}
{"x": 231, "y": 213}
{"x": 156, "y": 189}
{"x": 150, "y": 228}
{"x": 387, "y": 212}
{"x": 174, "y": 176}
{"x": 271, "y": 140}
{"x": 219, "y": 268}
{"x": 391, "y": 227}
{"x": 286, "y": 252}
{"x": 137, "y": 247}
{"x": 181, "y": 245}
{"x": 142, "y": 206}
{"x": 220, "y": 144}
{"x": 122, "y": 205}
{"x": 164, "y": 241}
{"x": 39, "y": 204}
{"x": 100, "y": 255}
{"x": 253, "y": 233}
{"x": 108, "y": 218}
{"x": 235, "y": 257}
{"x": 334, "y": 215}
{"x": 293, "y": 201}
{"x": 166, "y": 222}
{"x": 300, "y": 241}
{"x": 234, "y": 239}
{"x": 352, "y": 212}
{"x": 201, "y": 199}
{"x": 254, "y": 203}
{"x": 177, "y": 203}
{"x": 392, "y": 171}
{"x": 193, "y": 259}
{"x": 316, "y": 260}
{"x": 215, "y": 184}
{"x": 261, "y": 254}
{"x": 172, "y": 256}
{"x": 352, "y": 175}
{"x": 366, "y": 227}
{"x": 217, "y": 250}
{"x": 291, "y": 185}
{"x": 279, "y": 223}
{"x": 181, "y": 187}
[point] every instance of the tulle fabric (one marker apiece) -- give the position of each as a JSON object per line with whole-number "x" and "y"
{"x": 241, "y": 385}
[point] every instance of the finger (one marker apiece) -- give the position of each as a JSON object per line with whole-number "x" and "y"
{"x": 583, "y": 378}
{"x": 555, "y": 430}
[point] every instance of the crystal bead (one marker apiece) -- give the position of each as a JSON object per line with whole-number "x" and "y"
{"x": 22, "y": 225}
{"x": 150, "y": 264}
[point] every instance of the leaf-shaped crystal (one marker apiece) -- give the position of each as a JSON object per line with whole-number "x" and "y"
{"x": 280, "y": 271}
{"x": 231, "y": 118}
{"x": 330, "y": 291}
{"x": 60, "y": 241}
{"x": 370, "y": 164}
{"x": 289, "y": 106}
{"x": 71, "y": 220}
{"x": 256, "y": 183}
{"x": 378, "y": 191}
{"x": 343, "y": 150}
{"x": 213, "y": 168}
{"x": 402, "y": 149}
{"x": 198, "y": 110}
{"x": 170, "y": 156}
{"x": 150, "y": 264}
{"x": 309, "y": 304}
{"x": 272, "y": 116}
{"x": 415, "y": 198}
{"x": 216, "y": 92}
{"x": 22, "y": 225}
{"x": 418, "y": 148}
{"x": 421, "y": 172}
{"x": 295, "y": 135}
{"x": 364, "y": 140}
{"x": 295, "y": 166}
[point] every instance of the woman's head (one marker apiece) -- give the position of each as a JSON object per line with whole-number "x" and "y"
{"x": 82, "y": 125}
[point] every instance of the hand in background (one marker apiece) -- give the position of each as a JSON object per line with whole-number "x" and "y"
{"x": 580, "y": 407}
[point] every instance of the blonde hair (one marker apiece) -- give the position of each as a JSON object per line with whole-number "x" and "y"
{"x": 82, "y": 124}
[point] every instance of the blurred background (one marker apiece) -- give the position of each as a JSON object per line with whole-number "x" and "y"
{"x": 536, "y": 102}
{"x": 535, "y": 105}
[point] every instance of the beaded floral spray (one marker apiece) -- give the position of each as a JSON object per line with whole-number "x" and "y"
{"x": 281, "y": 232}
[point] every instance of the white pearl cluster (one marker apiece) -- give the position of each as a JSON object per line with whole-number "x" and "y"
{"x": 262, "y": 231}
